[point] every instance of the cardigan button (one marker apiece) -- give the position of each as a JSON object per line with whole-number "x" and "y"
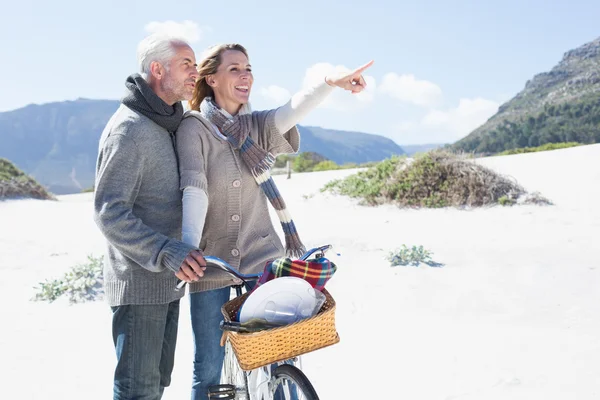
{"x": 237, "y": 183}
{"x": 235, "y": 252}
{"x": 235, "y": 217}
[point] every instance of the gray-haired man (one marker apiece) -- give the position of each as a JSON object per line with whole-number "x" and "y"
{"x": 137, "y": 206}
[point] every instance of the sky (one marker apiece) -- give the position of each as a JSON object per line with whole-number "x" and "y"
{"x": 441, "y": 68}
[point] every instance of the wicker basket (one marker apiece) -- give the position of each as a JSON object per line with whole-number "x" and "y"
{"x": 256, "y": 349}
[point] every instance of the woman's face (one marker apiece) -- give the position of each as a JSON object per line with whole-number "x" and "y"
{"x": 232, "y": 82}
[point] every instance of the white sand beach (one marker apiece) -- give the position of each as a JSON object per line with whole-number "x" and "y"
{"x": 514, "y": 313}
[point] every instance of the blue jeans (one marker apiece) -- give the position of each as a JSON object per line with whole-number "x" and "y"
{"x": 205, "y": 310}
{"x": 144, "y": 338}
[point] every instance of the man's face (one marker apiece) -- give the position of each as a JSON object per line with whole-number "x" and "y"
{"x": 180, "y": 78}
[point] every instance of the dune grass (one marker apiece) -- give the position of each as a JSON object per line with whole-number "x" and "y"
{"x": 82, "y": 283}
{"x": 432, "y": 180}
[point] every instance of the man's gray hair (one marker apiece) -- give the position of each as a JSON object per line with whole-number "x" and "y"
{"x": 157, "y": 47}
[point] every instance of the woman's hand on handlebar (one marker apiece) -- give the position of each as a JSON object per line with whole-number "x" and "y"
{"x": 192, "y": 268}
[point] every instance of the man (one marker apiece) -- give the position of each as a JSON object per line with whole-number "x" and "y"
{"x": 137, "y": 206}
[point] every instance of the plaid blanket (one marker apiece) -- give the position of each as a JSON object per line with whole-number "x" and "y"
{"x": 317, "y": 271}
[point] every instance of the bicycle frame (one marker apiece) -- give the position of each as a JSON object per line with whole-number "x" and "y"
{"x": 259, "y": 383}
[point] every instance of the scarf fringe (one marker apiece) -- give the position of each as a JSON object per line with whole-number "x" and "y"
{"x": 294, "y": 248}
{"x": 263, "y": 168}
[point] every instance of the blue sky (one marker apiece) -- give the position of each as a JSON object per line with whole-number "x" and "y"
{"x": 441, "y": 68}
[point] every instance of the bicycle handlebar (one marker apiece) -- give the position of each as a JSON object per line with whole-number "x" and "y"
{"x": 217, "y": 263}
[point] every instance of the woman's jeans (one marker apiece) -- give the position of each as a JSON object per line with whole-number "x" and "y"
{"x": 144, "y": 338}
{"x": 205, "y": 310}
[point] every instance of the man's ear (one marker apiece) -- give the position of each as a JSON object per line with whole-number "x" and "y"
{"x": 157, "y": 70}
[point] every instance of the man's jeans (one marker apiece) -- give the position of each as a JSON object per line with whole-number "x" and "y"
{"x": 144, "y": 338}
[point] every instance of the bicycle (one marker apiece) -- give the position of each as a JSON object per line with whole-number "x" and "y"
{"x": 283, "y": 380}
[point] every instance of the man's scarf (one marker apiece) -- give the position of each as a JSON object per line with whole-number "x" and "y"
{"x": 141, "y": 98}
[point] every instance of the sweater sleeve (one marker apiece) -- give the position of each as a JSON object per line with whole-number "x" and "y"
{"x": 188, "y": 144}
{"x": 278, "y": 133}
{"x": 119, "y": 176}
{"x": 300, "y": 105}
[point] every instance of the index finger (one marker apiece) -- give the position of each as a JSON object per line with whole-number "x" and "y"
{"x": 360, "y": 70}
{"x": 194, "y": 265}
{"x": 196, "y": 255}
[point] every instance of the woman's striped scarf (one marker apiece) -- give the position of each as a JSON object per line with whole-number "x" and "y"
{"x": 237, "y": 130}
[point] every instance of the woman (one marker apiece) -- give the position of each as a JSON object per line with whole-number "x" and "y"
{"x": 225, "y": 152}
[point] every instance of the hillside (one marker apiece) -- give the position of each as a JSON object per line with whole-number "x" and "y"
{"x": 562, "y": 105}
{"x": 347, "y": 146}
{"x": 57, "y": 143}
{"x": 15, "y": 184}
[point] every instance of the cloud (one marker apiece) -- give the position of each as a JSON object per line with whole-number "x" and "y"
{"x": 462, "y": 120}
{"x": 275, "y": 95}
{"x": 409, "y": 89}
{"x": 340, "y": 100}
{"x": 187, "y": 30}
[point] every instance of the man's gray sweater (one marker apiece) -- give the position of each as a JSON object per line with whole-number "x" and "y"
{"x": 137, "y": 206}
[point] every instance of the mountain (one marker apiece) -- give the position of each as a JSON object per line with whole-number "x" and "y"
{"x": 57, "y": 143}
{"x": 562, "y": 105}
{"x": 347, "y": 146}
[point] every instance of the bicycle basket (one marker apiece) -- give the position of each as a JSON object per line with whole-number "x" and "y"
{"x": 254, "y": 350}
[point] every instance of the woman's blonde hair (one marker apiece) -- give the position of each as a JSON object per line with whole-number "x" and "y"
{"x": 210, "y": 63}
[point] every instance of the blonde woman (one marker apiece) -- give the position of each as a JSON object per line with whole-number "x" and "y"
{"x": 225, "y": 152}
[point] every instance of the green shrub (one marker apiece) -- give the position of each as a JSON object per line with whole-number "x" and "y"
{"x": 305, "y": 162}
{"x": 326, "y": 166}
{"x": 369, "y": 164}
{"x": 367, "y": 184}
{"x": 349, "y": 165}
{"x": 414, "y": 255}
{"x": 505, "y": 201}
{"x": 8, "y": 170}
{"x": 82, "y": 283}
{"x": 435, "y": 179}
{"x": 281, "y": 160}
{"x": 14, "y": 183}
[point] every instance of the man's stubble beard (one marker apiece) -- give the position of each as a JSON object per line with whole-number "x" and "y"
{"x": 174, "y": 91}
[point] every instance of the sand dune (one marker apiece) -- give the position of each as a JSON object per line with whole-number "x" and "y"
{"x": 512, "y": 314}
